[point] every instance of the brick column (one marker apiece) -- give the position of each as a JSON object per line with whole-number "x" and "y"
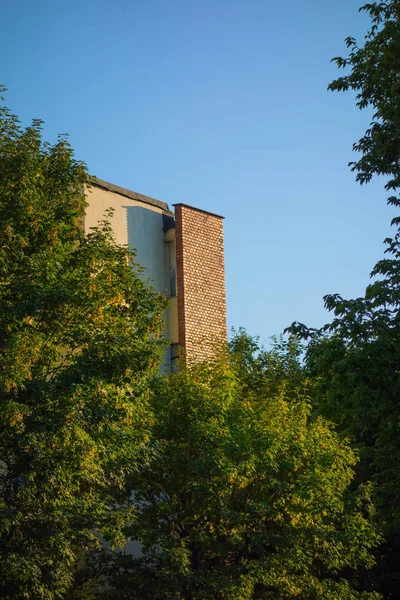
{"x": 200, "y": 281}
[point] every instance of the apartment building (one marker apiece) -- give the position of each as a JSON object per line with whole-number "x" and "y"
{"x": 182, "y": 252}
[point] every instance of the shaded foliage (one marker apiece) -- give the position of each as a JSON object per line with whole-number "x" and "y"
{"x": 374, "y": 76}
{"x": 259, "y": 368}
{"x": 355, "y": 359}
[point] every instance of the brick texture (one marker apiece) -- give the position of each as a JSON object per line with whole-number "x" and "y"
{"x": 200, "y": 282}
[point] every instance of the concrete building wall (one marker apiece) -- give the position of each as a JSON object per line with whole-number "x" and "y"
{"x": 200, "y": 281}
{"x": 135, "y": 223}
{"x": 139, "y": 222}
{"x": 182, "y": 257}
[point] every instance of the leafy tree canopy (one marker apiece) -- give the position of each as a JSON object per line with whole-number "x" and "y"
{"x": 356, "y": 356}
{"x": 244, "y": 496}
{"x": 355, "y": 359}
{"x": 374, "y": 76}
{"x": 79, "y": 335}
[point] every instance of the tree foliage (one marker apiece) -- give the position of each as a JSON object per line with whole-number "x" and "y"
{"x": 79, "y": 335}
{"x": 355, "y": 359}
{"x": 356, "y": 356}
{"x": 374, "y": 76}
{"x": 244, "y": 495}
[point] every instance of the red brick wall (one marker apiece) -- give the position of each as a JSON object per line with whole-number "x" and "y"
{"x": 200, "y": 281}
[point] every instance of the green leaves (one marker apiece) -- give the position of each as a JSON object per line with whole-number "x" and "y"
{"x": 354, "y": 359}
{"x": 79, "y": 338}
{"x": 374, "y": 76}
{"x": 245, "y": 495}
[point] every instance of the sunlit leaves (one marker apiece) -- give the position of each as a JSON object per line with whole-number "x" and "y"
{"x": 245, "y": 495}
{"x": 79, "y": 336}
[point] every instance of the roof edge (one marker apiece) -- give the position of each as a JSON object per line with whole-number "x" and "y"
{"x": 106, "y": 185}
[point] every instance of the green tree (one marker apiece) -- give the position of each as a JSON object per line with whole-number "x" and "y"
{"x": 355, "y": 359}
{"x": 374, "y": 76}
{"x": 244, "y": 496}
{"x": 257, "y": 367}
{"x": 79, "y": 335}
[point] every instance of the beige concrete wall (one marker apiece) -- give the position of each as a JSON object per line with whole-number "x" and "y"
{"x": 139, "y": 225}
{"x": 100, "y": 200}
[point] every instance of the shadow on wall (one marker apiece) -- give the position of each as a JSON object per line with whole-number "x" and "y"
{"x": 146, "y": 236}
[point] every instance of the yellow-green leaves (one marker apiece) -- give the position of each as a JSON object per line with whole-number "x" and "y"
{"x": 78, "y": 340}
{"x": 245, "y": 494}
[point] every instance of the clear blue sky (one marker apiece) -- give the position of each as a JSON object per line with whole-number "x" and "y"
{"x": 221, "y": 104}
